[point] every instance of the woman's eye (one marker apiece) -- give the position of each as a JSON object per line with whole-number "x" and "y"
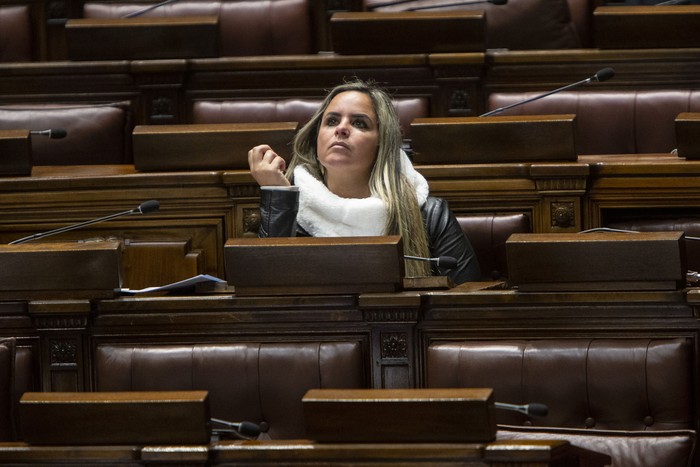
{"x": 360, "y": 124}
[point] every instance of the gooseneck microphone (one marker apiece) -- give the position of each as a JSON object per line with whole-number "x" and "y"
{"x": 53, "y": 133}
{"x": 143, "y": 208}
{"x": 245, "y": 430}
{"x": 447, "y": 262}
{"x": 533, "y": 409}
{"x": 602, "y": 75}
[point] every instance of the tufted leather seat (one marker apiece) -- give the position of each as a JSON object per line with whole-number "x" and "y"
{"x": 612, "y": 122}
{"x": 97, "y": 133}
{"x": 290, "y": 110}
{"x": 487, "y": 234}
{"x": 16, "y": 37}
{"x": 630, "y": 398}
{"x": 246, "y": 381}
{"x": 246, "y": 27}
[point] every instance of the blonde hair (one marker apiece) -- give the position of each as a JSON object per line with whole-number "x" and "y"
{"x": 387, "y": 180}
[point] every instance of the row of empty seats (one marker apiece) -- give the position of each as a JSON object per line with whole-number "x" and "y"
{"x": 629, "y": 398}
{"x": 607, "y": 122}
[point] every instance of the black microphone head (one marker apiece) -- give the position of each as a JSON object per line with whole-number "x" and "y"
{"x": 498, "y": 2}
{"x": 447, "y": 262}
{"x": 57, "y": 133}
{"x": 148, "y": 206}
{"x": 604, "y": 74}
{"x": 536, "y": 409}
{"x": 249, "y": 429}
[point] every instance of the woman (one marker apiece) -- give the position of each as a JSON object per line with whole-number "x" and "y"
{"x": 351, "y": 178}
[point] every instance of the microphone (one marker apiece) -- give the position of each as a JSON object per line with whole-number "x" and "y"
{"x": 428, "y": 7}
{"x": 143, "y": 208}
{"x": 245, "y": 430}
{"x": 53, "y": 133}
{"x": 142, "y": 11}
{"x": 602, "y": 75}
{"x": 533, "y": 409}
{"x": 447, "y": 262}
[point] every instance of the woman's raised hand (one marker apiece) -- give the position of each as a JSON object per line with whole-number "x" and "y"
{"x": 266, "y": 167}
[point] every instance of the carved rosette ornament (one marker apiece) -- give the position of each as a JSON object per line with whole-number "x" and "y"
{"x": 394, "y": 345}
{"x": 563, "y": 214}
{"x": 63, "y": 352}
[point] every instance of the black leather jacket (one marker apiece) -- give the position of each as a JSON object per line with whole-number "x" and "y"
{"x": 278, "y": 213}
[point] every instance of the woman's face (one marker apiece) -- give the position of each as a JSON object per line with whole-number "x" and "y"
{"x": 348, "y": 135}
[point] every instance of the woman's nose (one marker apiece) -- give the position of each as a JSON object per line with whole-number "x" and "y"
{"x": 342, "y": 128}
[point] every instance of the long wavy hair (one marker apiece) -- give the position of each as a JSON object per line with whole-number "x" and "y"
{"x": 387, "y": 181}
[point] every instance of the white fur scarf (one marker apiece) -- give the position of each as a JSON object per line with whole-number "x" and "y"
{"x": 324, "y": 214}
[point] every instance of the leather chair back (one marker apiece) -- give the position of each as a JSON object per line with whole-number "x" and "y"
{"x": 290, "y": 110}
{"x": 612, "y": 122}
{"x": 597, "y": 390}
{"x": 246, "y": 27}
{"x": 256, "y": 382}
{"x": 487, "y": 234}
{"x": 96, "y": 133}
{"x": 16, "y": 36}
{"x": 16, "y": 377}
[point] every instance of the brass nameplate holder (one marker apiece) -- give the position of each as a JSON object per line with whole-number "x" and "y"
{"x": 489, "y": 140}
{"x": 314, "y": 265}
{"x": 214, "y": 146}
{"x": 400, "y": 415}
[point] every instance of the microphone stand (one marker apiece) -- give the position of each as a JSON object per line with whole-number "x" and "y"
{"x": 564, "y": 88}
{"x": 143, "y": 208}
{"x": 133, "y": 14}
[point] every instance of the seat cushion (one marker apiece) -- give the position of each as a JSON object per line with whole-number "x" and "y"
{"x": 256, "y": 382}
{"x": 606, "y": 384}
{"x": 16, "y": 34}
{"x": 96, "y": 133}
{"x": 611, "y": 122}
{"x": 519, "y": 25}
{"x": 488, "y": 234}
{"x": 672, "y": 448}
{"x": 246, "y": 27}
{"x": 7, "y": 372}
{"x": 290, "y": 110}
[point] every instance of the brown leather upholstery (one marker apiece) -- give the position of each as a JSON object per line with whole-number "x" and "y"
{"x": 246, "y": 27}
{"x": 16, "y": 377}
{"x": 630, "y": 387}
{"x": 254, "y": 382}
{"x": 16, "y": 33}
{"x": 522, "y": 24}
{"x": 488, "y": 234}
{"x": 612, "y": 122}
{"x": 290, "y": 110}
{"x": 97, "y": 133}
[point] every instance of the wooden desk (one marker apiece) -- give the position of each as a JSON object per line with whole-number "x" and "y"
{"x": 639, "y": 184}
{"x": 272, "y": 453}
{"x": 304, "y": 452}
